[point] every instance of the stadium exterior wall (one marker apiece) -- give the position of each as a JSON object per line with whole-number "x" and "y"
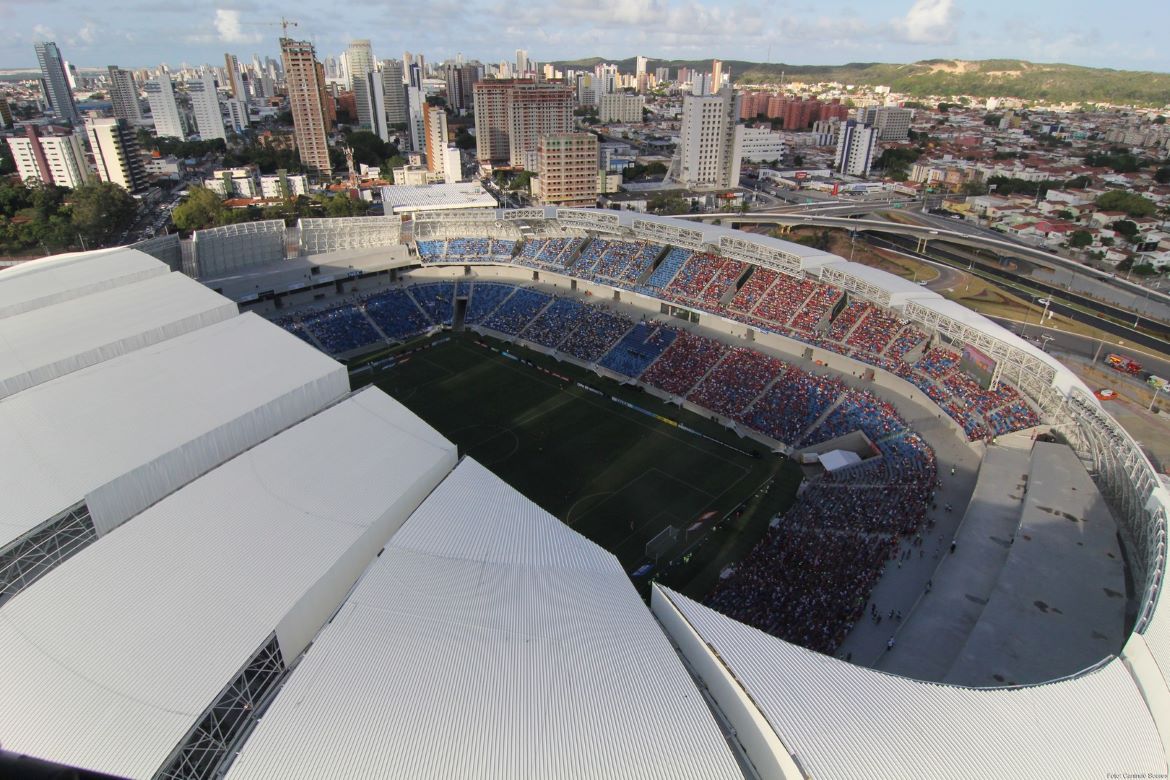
{"x": 769, "y": 757}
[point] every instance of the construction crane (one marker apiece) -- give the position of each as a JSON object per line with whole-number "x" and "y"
{"x": 284, "y": 25}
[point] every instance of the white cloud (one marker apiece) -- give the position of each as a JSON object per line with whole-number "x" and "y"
{"x": 43, "y": 33}
{"x": 928, "y": 21}
{"x": 227, "y": 25}
{"x": 88, "y": 32}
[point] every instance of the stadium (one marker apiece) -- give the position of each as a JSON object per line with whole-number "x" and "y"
{"x": 557, "y": 493}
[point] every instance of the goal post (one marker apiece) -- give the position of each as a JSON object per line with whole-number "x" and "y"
{"x": 661, "y": 542}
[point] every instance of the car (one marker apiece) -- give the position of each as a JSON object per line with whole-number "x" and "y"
{"x": 921, "y": 283}
{"x": 1044, "y": 301}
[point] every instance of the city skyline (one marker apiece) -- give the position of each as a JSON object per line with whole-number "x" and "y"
{"x": 895, "y": 31}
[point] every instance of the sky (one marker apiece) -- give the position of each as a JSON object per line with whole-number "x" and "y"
{"x": 138, "y": 34}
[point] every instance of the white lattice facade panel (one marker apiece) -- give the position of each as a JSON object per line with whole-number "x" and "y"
{"x": 225, "y": 250}
{"x": 318, "y": 236}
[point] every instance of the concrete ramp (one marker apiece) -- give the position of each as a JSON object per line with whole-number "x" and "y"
{"x": 938, "y": 629}
{"x": 1058, "y": 605}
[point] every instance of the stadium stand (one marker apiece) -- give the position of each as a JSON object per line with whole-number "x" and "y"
{"x": 736, "y": 382}
{"x": 555, "y": 322}
{"x": 596, "y": 332}
{"x": 639, "y": 348}
{"x": 396, "y": 314}
{"x": 689, "y": 358}
{"x": 484, "y": 298}
{"x": 436, "y": 300}
{"x": 794, "y": 402}
{"x": 517, "y": 311}
{"x": 666, "y": 271}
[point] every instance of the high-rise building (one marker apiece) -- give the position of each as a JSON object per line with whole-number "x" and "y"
{"x": 304, "y": 78}
{"x": 491, "y": 120}
{"x": 522, "y": 64}
{"x": 640, "y": 66}
{"x": 56, "y": 158}
{"x": 237, "y": 114}
{"x": 710, "y": 141}
{"x": 890, "y": 122}
{"x": 394, "y": 92}
{"x": 415, "y": 100}
{"x": 511, "y": 115}
{"x": 115, "y": 152}
{"x": 235, "y": 77}
{"x": 55, "y": 82}
{"x": 359, "y": 59}
{"x": 461, "y": 81}
{"x": 716, "y": 76}
{"x": 855, "y": 148}
{"x": 370, "y": 98}
{"x": 535, "y": 110}
{"x": 440, "y": 163}
{"x": 5, "y": 114}
{"x": 161, "y": 94}
{"x": 124, "y": 95}
{"x": 567, "y": 169}
{"x": 205, "y": 106}
{"x": 620, "y": 107}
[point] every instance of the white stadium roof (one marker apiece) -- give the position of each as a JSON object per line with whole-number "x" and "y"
{"x": 110, "y": 659}
{"x": 124, "y": 433}
{"x": 844, "y": 721}
{"x": 39, "y": 283}
{"x": 52, "y": 341}
{"x": 489, "y": 640}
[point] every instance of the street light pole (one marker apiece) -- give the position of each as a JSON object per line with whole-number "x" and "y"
{"x": 1157, "y": 390}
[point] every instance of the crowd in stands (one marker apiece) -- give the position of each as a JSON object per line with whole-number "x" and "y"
{"x": 341, "y": 328}
{"x": 547, "y": 252}
{"x": 485, "y": 298}
{"x": 396, "y": 314}
{"x": 692, "y": 279}
{"x": 517, "y": 311}
{"x": 466, "y": 250}
{"x": 809, "y": 579}
{"x": 792, "y": 404}
{"x": 666, "y": 271}
{"x": 639, "y": 348}
{"x": 754, "y": 289}
{"x": 859, "y": 410}
{"x": 595, "y": 334}
{"x": 685, "y": 363}
{"x": 821, "y": 300}
{"x": 736, "y": 382}
{"x": 875, "y": 332}
{"x": 555, "y": 322}
{"x": 768, "y": 299}
{"x": 909, "y": 338}
{"x": 436, "y": 300}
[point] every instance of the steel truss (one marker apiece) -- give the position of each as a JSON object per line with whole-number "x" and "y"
{"x": 39, "y": 551}
{"x": 229, "y": 718}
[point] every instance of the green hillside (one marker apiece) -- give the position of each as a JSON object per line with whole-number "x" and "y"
{"x": 983, "y": 78}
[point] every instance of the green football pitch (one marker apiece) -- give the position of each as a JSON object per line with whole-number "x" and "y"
{"x": 618, "y": 476}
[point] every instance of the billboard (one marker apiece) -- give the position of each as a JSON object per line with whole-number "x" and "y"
{"x": 978, "y": 364}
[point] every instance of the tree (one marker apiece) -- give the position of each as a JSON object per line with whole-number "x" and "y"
{"x": 1162, "y": 175}
{"x": 464, "y": 139}
{"x": 1126, "y": 228}
{"x": 7, "y": 165}
{"x": 202, "y": 208}
{"x": 1131, "y": 203}
{"x": 101, "y": 210}
{"x": 368, "y": 148}
{"x": 666, "y": 203}
{"x": 1080, "y": 239}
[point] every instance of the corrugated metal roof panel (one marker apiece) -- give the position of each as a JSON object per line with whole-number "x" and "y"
{"x": 846, "y": 721}
{"x": 111, "y": 657}
{"x": 49, "y": 342}
{"x": 50, "y": 280}
{"x": 178, "y": 407}
{"x": 489, "y": 640}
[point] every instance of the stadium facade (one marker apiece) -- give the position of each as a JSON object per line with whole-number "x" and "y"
{"x": 286, "y": 579}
